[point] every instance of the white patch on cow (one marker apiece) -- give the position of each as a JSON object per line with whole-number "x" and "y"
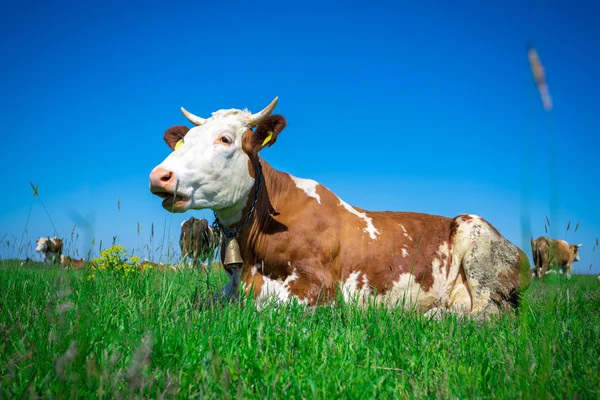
{"x": 370, "y": 229}
{"x": 406, "y": 235}
{"x": 404, "y": 253}
{"x": 277, "y": 290}
{"x": 483, "y": 264}
{"x": 404, "y": 293}
{"x": 365, "y": 280}
{"x": 351, "y": 293}
{"x": 308, "y": 186}
{"x": 350, "y": 287}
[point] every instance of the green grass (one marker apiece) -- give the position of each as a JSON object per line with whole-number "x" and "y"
{"x": 64, "y": 336}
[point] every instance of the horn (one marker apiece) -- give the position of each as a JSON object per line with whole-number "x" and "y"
{"x": 256, "y": 118}
{"x": 194, "y": 119}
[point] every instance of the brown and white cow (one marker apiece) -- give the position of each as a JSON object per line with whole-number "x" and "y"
{"x": 67, "y": 261}
{"x": 197, "y": 240}
{"x": 547, "y": 251}
{"x": 51, "y": 249}
{"x": 299, "y": 240}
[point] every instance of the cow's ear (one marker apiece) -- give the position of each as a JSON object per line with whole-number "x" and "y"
{"x": 266, "y": 133}
{"x": 174, "y": 134}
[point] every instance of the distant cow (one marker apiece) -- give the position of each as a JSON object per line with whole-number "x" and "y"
{"x": 197, "y": 240}
{"x": 67, "y": 261}
{"x": 51, "y": 248}
{"x": 298, "y": 240}
{"x": 547, "y": 251}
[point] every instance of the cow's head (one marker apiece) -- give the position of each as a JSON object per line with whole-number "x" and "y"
{"x": 574, "y": 250}
{"x": 41, "y": 244}
{"x": 213, "y": 164}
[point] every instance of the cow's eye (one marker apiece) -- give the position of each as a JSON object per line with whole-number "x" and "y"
{"x": 223, "y": 139}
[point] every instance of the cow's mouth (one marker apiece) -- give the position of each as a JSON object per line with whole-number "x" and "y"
{"x": 174, "y": 202}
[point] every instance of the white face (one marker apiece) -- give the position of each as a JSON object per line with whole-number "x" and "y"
{"x": 210, "y": 169}
{"x": 42, "y": 244}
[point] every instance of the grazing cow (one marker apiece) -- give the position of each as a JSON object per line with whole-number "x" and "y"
{"x": 197, "y": 240}
{"x": 67, "y": 261}
{"x": 51, "y": 249}
{"x": 299, "y": 240}
{"x": 547, "y": 251}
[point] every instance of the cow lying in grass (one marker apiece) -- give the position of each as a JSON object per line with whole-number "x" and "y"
{"x": 298, "y": 240}
{"x": 547, "y": 251}
{"x": 51, "y": 249}
{"x": 67, "y": 261}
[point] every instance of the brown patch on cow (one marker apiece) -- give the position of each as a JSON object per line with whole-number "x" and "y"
{"x": 174, "y": 134}
{"x": 254, "y": 282}
{"x": 426, "y": 282}
{"x": 55, "y": 245}
{"x": 67, "y": 261}
{"x": 428, "y": 233}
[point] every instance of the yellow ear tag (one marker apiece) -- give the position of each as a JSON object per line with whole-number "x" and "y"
{"x": 268, "y": 138}
{"x": 179, "y": 144}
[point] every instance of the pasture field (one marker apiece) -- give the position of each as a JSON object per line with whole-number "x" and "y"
{"x": 64, "y": 335}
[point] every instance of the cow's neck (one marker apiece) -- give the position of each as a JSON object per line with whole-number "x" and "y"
{"x": 233, "y": 218}
{"x": 275, "y": 188}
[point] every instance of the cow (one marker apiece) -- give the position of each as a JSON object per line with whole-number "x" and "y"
{"x": 547, "y": 251}
{"x": 299, "y": 241}
{"x": 67, "y": 261}
{"x": 197, "y": 241}
{"x": 51, "y": 249}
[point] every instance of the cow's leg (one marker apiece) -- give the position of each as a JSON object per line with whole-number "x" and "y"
{"x": 539, "y": 262}
{"x": 536, "y": 258}
{"x": 231, "y": 290}
{"x": 568, "y": 269}
{"x": 544, "y": 249}
{"x": 495, "y": 270}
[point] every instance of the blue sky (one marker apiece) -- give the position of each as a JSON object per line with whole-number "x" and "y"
{"x": 422, "y": 106}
